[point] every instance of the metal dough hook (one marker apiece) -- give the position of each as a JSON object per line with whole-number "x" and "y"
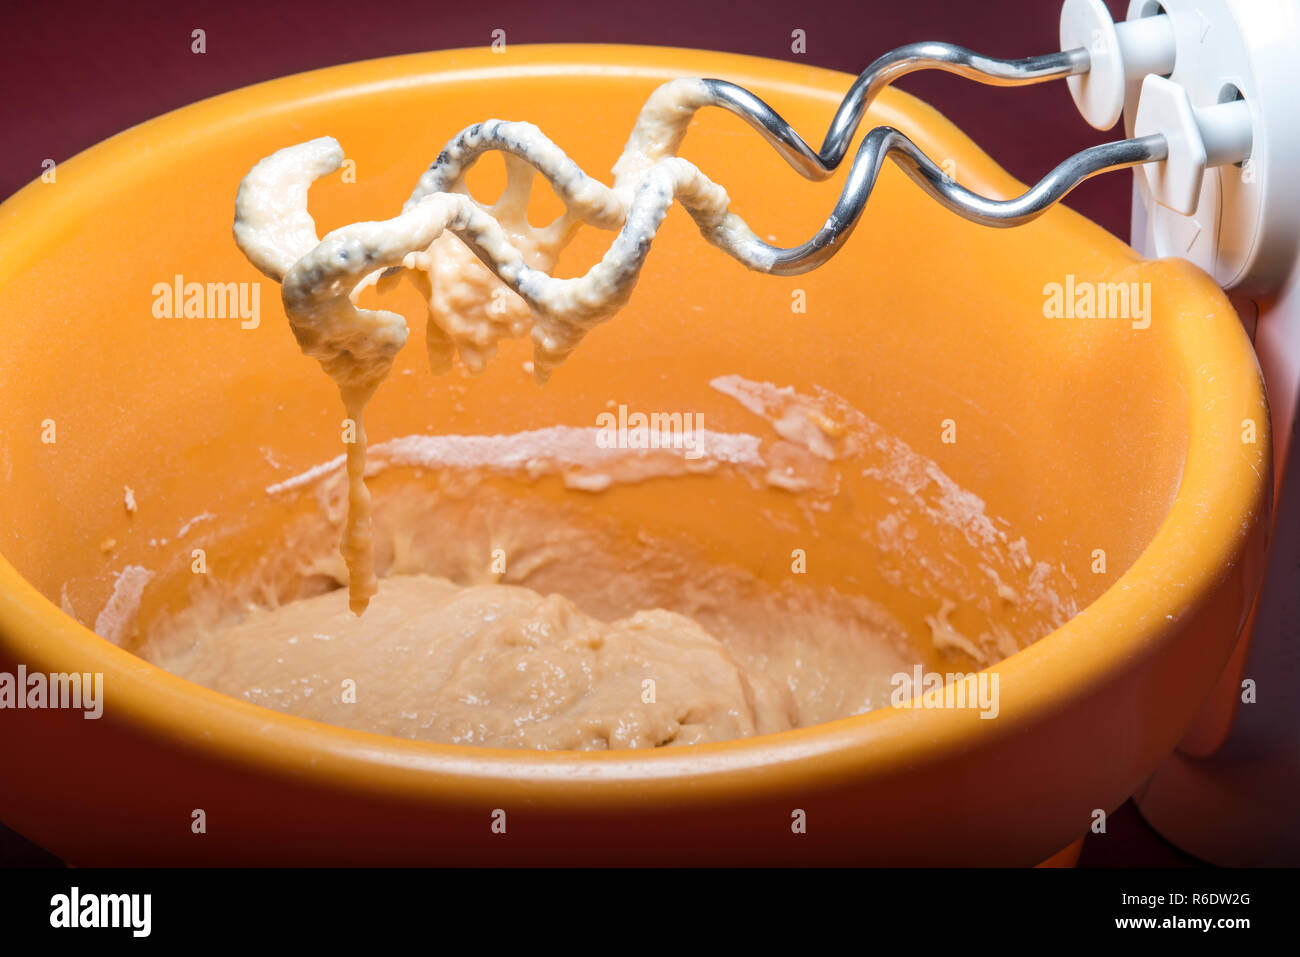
{"x": 885, "y": 141}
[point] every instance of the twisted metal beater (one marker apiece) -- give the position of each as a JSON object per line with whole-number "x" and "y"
{"x": 320, "y": 277}
{"x": 885, "y": 141}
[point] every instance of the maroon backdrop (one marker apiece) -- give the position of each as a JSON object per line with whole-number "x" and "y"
{"x": 73, "y": 73}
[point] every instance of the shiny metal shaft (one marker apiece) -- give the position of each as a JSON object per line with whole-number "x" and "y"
{"x": 884, "y": 141}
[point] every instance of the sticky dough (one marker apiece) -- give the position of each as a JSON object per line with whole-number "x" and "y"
{"x": 495, "y": 665}
{"x": 654, "y": 641}
{"x": 446, "y": 239}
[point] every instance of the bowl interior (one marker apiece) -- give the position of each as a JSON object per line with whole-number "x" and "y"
{"x": 999, "y": 448}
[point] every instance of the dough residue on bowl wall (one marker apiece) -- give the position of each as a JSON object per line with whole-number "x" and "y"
{"x": 584, "y": 639}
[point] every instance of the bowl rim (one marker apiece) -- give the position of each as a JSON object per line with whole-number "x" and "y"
{"x": 1202, "y": 536}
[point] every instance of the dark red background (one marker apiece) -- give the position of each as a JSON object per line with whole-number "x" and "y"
{"x": 73, "y": 73}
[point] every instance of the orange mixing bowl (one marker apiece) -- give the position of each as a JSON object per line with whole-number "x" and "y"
{"x": 1083, "y": 434}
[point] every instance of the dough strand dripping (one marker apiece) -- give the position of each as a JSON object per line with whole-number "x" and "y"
{"x": 357, "y": 546}
{"x": 465, "y": 257}
{"x": 463, "y": 254}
